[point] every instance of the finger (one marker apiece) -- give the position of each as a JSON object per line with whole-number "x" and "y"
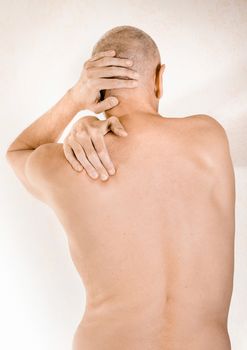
{"x": 105, "y": 72}
{"x": 92, "y": 156}
{"x": 69, "y": 155}
{"x": 108, "y": 103}
{"x": 102, "y": 54}
{"x": 116, "y": 127}
{"x": 100, "y": 146}
{"x": 103, "y": 84}
{"x": 110, "y": 61}
{"x": 81, "y": 157}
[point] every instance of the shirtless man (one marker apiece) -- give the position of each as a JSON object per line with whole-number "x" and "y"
{"x": 154, "y": 244}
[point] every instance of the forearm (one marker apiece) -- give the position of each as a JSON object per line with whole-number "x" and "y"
{"x": 47, "y": 128}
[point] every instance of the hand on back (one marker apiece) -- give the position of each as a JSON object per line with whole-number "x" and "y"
{"x": 85, "y": 147}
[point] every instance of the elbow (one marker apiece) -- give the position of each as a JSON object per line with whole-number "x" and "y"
{"x": 9, "y": 156}
{"x": 9, "y": 150}
{"x": 10, "y": 153}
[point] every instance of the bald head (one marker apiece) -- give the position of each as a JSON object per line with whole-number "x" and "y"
{"x": 133, "y": 43}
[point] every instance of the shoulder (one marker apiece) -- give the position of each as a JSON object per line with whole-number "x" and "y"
{"x": 196, "y": 125}
{"x": 201, "y": 136}
{"x": 45, "y": 164}
{"x": 211, "y": 140}
{"x": 209, "y": 135}
{"x": 46, "y": 156}
{"x": 208, "y": 126}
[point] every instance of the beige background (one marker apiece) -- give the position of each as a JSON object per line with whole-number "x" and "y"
{"x": 43, "y": 45}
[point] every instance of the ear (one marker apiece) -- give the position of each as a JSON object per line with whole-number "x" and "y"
{"x": 159, "y": 81}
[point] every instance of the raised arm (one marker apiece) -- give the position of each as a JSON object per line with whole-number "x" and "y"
{"x": 96, "y": 75}
{"x": 46, "y": 129}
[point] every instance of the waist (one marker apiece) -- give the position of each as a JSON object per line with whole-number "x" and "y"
{"x": 126, "y": 328}
{"x": 167, "y": 310}
{"x": 161, "y": 302}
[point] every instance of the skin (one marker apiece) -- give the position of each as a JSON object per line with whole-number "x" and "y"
{"x": 85, "y": 147}
{"x": 154, "y": 244}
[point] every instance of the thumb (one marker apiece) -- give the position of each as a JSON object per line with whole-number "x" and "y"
{"x": 116, "y": 127}
{"x": 108, "y": 103}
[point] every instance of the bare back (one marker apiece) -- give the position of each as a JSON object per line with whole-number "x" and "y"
{"x": 154, "y": 244}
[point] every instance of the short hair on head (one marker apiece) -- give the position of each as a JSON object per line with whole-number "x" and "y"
{"x": 133, "y": 43}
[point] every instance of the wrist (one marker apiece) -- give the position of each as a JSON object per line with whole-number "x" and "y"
{"x": 75, "y": 102}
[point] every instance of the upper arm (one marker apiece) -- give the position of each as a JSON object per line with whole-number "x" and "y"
{"x": 33, "y": 168}
{"x": 215, "y": 146}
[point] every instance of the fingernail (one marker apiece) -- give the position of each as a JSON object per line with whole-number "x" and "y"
{"x": 94, "y": 174}
{"x": 79, "y": 168}
{"x": 111, "y": 171}
{"x": 121, "y": 131}
{"x": 113, "y": 100}
{"x": 104, "y": 177}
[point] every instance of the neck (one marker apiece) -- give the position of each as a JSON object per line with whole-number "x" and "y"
{"x": 132, "y": 105}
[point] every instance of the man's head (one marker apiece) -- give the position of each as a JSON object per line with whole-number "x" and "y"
{"x": 135, "y": 44}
